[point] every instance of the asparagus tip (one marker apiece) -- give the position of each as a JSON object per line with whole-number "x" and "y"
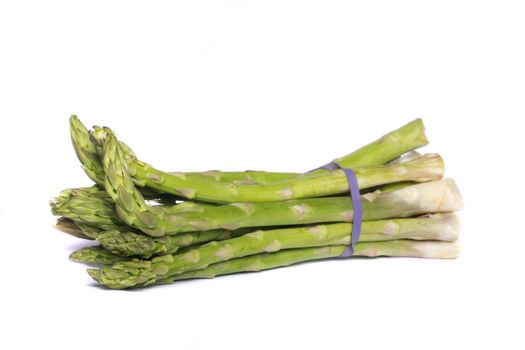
{"x": 131, "y": 273}
{"x": 127, "y": 243}
{"x": 95, "y": 274}
{"x": 76, "y": 256}
{"x": 58, "y": 202}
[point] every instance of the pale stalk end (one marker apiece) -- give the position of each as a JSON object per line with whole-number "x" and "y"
{"x": 441, "y": 196}
{"x": 437, "y": 250}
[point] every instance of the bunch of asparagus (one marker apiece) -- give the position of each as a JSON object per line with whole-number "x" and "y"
{"x": 154, "y": 227}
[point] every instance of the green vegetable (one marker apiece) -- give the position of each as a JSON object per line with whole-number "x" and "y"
{"x": 114, "y": 277}
{"x": 443, "y": 227}
{"x": 197, "y": 187}
{"x": 265, "y": 261}
{"x": 87, "y": 205}
{"x": 139, "y": 245}
{"x": 142, "y": 273}
{"x": 328, "y": 183}
{"x": 157, "y": 227}
{"x": 95, "y": 255}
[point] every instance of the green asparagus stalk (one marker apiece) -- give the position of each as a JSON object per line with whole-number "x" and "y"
{"x": 93, "y": 211}
{"x": 265, "y": 261}
{"x": 443, "y": 227}
{"x": 251, "y": 177}
{"x": 142, "y": 273}
{"x": 86, "y": 151}
{"x": 426, "y": 168}
{"x": 190, "y": 186}
{"x": 87, "y": 205}
{"x": 96, "y": 255}
{"x": 143, "y": 246}
{"x": 78, "y": 205}
{"x": 381, "y": 151}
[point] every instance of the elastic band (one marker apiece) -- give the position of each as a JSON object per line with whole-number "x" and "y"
{"x": 355, "y": 195}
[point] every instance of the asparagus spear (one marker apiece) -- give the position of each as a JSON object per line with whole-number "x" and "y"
{"x": 381, "y": 151}
{"x": 77, "y": 206}
{"x": 113, "y": 277}
{"x": 408, "y": 248}
{"x": 443, "y": 227}
{"x": 132, "y": 273}
{"x": 96, "y": 255}
{"x": 265, "y": 261}
{"x": 140, "y": 245}
{"x": 191, "y": 186}
{"x": 86, "y": 151}
{"x": 424, "y": 169}
{"x": 92, "y": 210}
{"x": 87, "y": 205}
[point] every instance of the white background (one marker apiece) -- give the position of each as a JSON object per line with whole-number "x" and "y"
{"x": 275, "y": 85}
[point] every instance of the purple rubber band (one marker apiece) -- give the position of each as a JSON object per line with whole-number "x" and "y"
{"x": 356, "y": 202}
